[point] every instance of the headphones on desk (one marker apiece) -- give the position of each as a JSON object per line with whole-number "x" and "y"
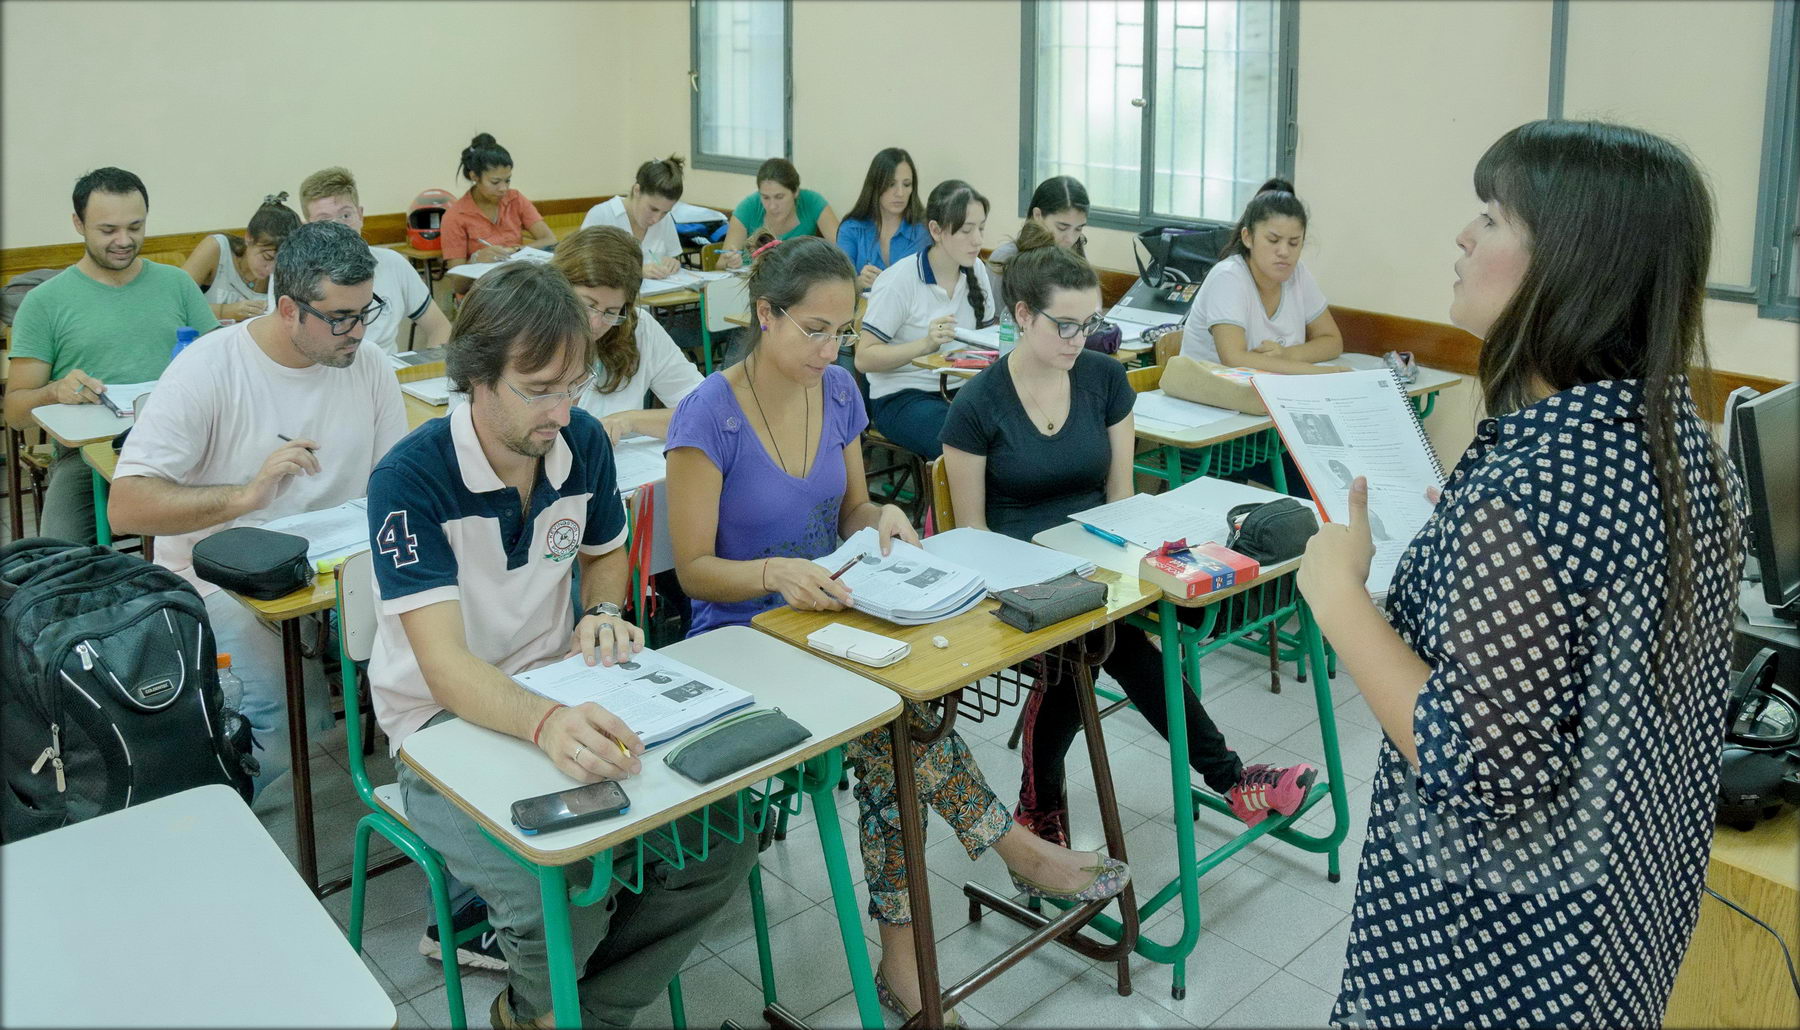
{"x": 1760, "y": 766}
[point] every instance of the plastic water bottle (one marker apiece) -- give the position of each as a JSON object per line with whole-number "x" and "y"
{"x": 183, "y": 336}
{"x": 230, "y": 686}
{"x": 1009, "y": 334}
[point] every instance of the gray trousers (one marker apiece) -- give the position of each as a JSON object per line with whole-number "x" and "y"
{"x": 68, "y": 499}
{"x": 634, "y": 944}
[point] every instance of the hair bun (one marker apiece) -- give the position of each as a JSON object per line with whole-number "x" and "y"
{"x": 676, "y": 162}
{"x": 274, "y": 199}
{"x": 1277, "y": 186}
{"x": 484, "y": 139}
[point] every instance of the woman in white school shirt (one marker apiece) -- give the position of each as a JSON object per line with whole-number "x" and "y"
{"x": 633, "y": 354}
{"x": 1259, "y": 307}
{"x": 915, "y": 308}
{"x": 645, "y": 214}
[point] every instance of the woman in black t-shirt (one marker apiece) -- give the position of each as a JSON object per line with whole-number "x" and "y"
{"x": 1044, "y": 433}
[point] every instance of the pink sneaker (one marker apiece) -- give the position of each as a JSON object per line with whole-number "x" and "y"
{"x": 1262, "y": 789}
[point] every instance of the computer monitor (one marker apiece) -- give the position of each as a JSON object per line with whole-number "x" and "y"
{"x": 1768, "y": 444}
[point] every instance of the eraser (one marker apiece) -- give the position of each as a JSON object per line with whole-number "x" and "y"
{"x": 939, "y": 641}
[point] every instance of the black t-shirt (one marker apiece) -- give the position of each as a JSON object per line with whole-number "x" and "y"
{"x": 1035, "y": 482}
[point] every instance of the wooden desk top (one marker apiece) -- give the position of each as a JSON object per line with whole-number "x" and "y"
{"x": 1769, "y": 852}
{"x": 670, "y": 299}
{"x": 980, "y": 644}
{"x": 483, "y": 772}
{"x": 101, "y": 458}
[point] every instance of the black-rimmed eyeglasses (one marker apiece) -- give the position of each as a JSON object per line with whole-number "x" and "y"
{"x": 342, "y": 324}
{"x": 1068, "y": 328}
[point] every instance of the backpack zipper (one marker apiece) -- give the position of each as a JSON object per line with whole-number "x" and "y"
{"x": 53, "y": 755}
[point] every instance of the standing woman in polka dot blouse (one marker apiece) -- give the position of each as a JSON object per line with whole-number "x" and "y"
{"x": 1551, "y": 669}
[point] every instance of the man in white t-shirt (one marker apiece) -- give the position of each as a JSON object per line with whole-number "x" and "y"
{"x": 329, "y": 195}
{"x": 281, "y": 414}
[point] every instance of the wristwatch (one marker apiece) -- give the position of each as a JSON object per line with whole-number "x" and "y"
{"x": 605, "y": 608}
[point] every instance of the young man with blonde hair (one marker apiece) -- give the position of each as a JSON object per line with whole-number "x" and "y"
{"x": 329, "y": 195}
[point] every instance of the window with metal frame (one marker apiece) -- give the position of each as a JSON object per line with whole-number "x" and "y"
{"x": 1777, "y": 265}
{"x": 1167, "y": 110}
{"x": 740, "y": 76}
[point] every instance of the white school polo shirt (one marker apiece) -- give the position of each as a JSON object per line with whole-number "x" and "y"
{"x": 662, "y": 369}
{"x": 659, "y": 240}
{"x": 903, "y": 302}
{"x": 445, "y": 528}
{"x": 1229, "y": 295}
{"x": 221, "y": 409}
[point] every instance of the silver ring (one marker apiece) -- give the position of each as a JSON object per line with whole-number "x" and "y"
{"x": 579, "y": 748}
{"x": 606, "y": 625}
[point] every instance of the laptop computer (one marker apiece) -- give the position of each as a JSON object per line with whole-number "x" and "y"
{"x": 1148, "y": 305}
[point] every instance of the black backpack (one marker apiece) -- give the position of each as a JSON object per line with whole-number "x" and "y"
{"x": 1179, "y": 255}
{"x": 110, "y": 692}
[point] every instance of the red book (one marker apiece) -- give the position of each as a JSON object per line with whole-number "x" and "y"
{"x": 1189, "y": 572}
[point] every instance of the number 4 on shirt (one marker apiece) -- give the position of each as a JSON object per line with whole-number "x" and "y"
{"x": 396, "y": 541}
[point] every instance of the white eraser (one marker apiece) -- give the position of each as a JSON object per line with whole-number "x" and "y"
{"x": 940, "y": 642}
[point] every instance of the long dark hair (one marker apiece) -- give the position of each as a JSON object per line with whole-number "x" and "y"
{"x": 608, "y": 257}
{"x": 1273, "y": 198}
{"x": 1041, "y": 269}
{"x": 1620, "y": 226}
{"x": 883, "y": 170}
{"x": 948, "y": 206}
{"x": 787, "y": 271}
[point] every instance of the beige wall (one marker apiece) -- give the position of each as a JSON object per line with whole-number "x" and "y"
{"x": 216, "y": 104}
{"x": 1397, "y": 99}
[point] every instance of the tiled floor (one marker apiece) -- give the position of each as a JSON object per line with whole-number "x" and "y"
{"x": 1269, "y": 953}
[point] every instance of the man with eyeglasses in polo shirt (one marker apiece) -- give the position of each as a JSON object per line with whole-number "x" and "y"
{"x": 277, "y": 415}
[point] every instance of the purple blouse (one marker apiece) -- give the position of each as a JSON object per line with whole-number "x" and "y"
{"x": 764, "y": 511}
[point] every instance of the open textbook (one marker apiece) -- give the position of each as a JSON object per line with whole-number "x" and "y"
{"x": 908, "y": 586}
{"x": 1354, "y": 424}
{"x": 683, "y": 279}
{"x": 655, "y": 695}
{"x": 330, "y": 532}
{"x": 477, "y": 269}
{"x": 1001, "y": 561}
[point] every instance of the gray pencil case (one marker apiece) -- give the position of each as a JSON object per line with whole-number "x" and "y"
{"x": 736, "y": 743}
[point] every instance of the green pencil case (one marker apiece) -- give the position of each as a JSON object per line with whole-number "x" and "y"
{"x": 736, "y": 743}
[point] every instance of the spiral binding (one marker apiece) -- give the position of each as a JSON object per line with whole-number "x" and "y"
{"x": 1437, "y": 464}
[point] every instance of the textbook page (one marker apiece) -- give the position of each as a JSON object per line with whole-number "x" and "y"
{"x": 330, "y": 532}
{"x": 658, "y": 697}
{"x": 1001, "y": 560}
{"x": 907, "y": 586}
{"x": 638, "y": 460}
{"x": 1350, "y": 424}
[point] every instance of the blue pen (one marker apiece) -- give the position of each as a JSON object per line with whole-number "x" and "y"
{"x": 1104, "y": 535}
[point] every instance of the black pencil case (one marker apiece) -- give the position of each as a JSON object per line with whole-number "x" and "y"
{"x": 1036, "y": 605}
{"x": 258, "y": 563}
{"x": 736, "y": 743}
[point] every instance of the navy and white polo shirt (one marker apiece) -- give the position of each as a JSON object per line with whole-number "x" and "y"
{"x": 904, "y": 301}
{"x": 445, "y": 528}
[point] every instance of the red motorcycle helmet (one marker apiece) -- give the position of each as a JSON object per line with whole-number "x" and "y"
{"x": 424, "y": 218}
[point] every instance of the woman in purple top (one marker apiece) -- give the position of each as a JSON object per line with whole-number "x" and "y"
{"x": 766, "y": 474}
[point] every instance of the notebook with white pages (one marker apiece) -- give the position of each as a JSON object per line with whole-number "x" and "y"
{"x": 658, "y": 697}
{"x": 1002, "y": 561}
{"x": 1349, "y": 424}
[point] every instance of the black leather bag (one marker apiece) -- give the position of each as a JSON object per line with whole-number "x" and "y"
{"x": 1178, "y": 254}
{"x": 254, "y": 562}
{"x": 1271, "y": 531}
{"x": 1036, "y": 605}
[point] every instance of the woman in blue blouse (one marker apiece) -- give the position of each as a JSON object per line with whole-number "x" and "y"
{"x": 888, "y": 222}
{"x": 1551, "y": 671}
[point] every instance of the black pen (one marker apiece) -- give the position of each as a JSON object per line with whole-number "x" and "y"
{"x": 104, "y": 399}
{"x": 288, "y": 439}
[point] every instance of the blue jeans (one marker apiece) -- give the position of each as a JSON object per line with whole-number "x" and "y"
{"x": 255, "y": 650}
{"x": 914, "y": 419}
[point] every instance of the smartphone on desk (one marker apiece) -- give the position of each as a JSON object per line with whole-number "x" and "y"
{"x": 572, "y": 807}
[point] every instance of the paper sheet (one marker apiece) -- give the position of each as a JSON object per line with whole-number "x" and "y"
{"x": 1351, "y": 424}
{"x": 432, "y": 391}
{"x": 1157, "y": 406}
{"x": 125, "y": 396}
{"x": 330, "y": 532}
{"x": 638, "y": 460}
{"x": 1149, "y": 520}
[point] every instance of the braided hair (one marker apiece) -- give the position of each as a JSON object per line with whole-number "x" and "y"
{"x": 948, "y": 206}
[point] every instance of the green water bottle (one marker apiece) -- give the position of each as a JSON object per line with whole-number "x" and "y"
{"x": 1009, "y": 334}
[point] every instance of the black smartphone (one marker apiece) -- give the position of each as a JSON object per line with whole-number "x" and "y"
{"x": 571, "y": 807}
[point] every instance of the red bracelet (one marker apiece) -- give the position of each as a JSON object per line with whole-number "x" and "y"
{"x": 545, "y": 719}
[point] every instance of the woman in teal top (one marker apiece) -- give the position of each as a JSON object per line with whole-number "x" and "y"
{"x": 780, "y": 208}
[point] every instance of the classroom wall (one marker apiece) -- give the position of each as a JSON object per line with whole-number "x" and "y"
{"x": 216, "y": 104}
{"x": 1397, "y": 99}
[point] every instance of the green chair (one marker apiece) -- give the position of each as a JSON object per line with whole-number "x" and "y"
{"x": 356, "y": 606}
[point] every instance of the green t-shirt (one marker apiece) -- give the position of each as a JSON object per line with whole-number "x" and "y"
{"x": 117, "y": 334}
{"x": 808, "y": 205}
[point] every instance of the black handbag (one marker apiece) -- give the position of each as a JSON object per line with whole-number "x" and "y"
{"x": 1271, "y": 531}
{"x": 258, "y": 563}
{"x": 1178, "y": 254}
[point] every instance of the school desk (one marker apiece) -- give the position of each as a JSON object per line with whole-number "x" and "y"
{"x": 483, "y": 772}
{"x": 981, "y": 645}
{"x": 176, "y": 912}
{"x": 1233, "y": 616}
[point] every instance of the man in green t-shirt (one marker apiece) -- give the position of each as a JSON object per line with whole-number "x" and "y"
{"x": 110, "y": 317}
